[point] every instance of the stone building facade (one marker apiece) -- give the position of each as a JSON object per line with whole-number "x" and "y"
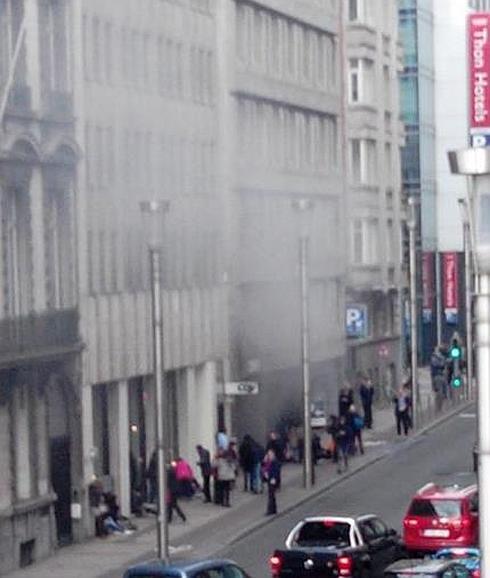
{"x": 374, "y": 137}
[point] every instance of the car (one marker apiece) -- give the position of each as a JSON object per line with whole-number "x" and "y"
{"x": 469, "y": 557}
{"x": 441, "y": 517}
{"x": 337, "y": 546}
{"x": 423, "y": 568}
{"x": 216, "y": 568}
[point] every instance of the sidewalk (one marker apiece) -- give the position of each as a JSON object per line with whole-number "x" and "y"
{"x": 210, "y": 527}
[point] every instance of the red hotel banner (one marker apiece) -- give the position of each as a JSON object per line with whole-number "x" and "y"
{"x": 450, "y": 286}
{"x": 479, "y": 69}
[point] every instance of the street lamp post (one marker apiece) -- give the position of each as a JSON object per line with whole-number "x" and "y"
{"x": 412, "y": 228}
{"x": 475, "y": 163}
{"x": 463, "y": 205}
{"x": 153, "y": 211}
{"x": 303, "y": 207}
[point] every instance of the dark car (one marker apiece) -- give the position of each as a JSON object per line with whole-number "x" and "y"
{"x": 422, "y": 568}
{"x": 196, "y": 569}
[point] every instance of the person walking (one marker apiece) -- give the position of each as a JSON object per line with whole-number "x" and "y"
{"x": 343, "y": 435}
{"x": 245, "y": 452}
{"x": 271, "y": 472}
{"x": 366, "y": 393}
{"x": 225, "y": 465}
{"x": 204, "y": 464}
{"x": 401, "y": 403}
{"x": 356, "y": 423}
{"x": 171, "y": 497}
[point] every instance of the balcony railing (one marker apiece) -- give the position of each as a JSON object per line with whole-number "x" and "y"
{"x": 36, "y": 335}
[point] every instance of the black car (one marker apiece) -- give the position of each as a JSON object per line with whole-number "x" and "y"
{"x": 197, "y": 569}
{"x": 421, "y": 568}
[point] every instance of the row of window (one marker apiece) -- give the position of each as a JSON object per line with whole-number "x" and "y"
{"x": 365, "y": 241}
{"x": 145, "y": 160}
{"x": 139, "y": 59}
{"x": 280, "y": 47}
{"x": 285, "y": 137}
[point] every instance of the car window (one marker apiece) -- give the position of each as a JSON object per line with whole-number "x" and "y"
{"x": 380, "y": 528}
{"x": 232, "y": 571}
{"x": 323, "y": 534}
{"x": 435, "y": 508}
{"x": 367, "y": 531}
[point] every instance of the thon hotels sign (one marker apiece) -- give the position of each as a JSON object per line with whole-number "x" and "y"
{"x": 479, "y": 77}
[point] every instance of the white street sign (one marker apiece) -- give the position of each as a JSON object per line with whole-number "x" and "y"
{"x": 241, "y": 388}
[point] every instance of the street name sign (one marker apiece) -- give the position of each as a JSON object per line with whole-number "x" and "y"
{"x": 241, "y": 388}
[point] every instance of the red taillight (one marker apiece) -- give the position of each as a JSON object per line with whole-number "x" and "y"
{"x": 344, "y": 565}
{"x": 410, "y": 522}
{"x": 275, "y": 563}
{"x": 466, "y": 522}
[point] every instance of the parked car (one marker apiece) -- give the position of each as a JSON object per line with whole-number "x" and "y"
{"x": 196, "y": 569}
{"x": 427, "y": 569}
{"x": 469, "y": 557}
{"x": 441, "y": 517}
{"x": 336, "y": 546}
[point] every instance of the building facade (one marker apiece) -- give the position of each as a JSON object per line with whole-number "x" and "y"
{"x": 40, "y": 405}
{"x": 148, "y": 126}
{"x": 373, "y": 140}
{"x": 281, "y": 91}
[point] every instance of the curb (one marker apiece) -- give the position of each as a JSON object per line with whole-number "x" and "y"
{"x": 335, "y": 482}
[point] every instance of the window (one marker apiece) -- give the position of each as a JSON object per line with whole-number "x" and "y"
{"x": 364, "y": 241}
{"x": 355, "y": 7}
{"x": 323, "y": 534}
{"x": 361, "y": 80}
{"x": 435, "y": 508}
{"x": 363, "y": 161}
{"x": 11, "y": 14}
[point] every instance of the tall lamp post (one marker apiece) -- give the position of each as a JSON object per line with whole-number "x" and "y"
{"x": 304, "y": 207}
{"x": 412, "y": 229}
{"x": 153, "y": 213}
{"x": 475, "y": 163}
{"x": 463, "y": 206}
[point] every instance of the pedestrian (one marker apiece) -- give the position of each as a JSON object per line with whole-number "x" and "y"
{"x": 332, "y": 425}
{"x": 258, "y": 453}
{"x": 171, "y": 497}
{"x": 222, "y": 439}
{"x": 356, "y": 424}
{"x": 271, "y": 473}
{"x": 401, "y": 403}
{"x": 204, "y": 464}
{"x": 225, "y": 465}
{"x": 274, "y": 444}
{"x": 186, "y": 481}
{"x": 245, "y": 452}
{"x": 343, "y": 435}
{"x": 366, "y": 393}
{"x": 345, "y": 401}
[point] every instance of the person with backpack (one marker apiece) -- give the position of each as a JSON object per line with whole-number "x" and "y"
{"x": 357, "y": 425}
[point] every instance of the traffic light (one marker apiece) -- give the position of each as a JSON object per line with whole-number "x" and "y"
{"x": 457, "y": 381}
{"x": 455, "y": 351}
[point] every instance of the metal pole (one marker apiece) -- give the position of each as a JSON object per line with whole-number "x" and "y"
{"x": 413, "y": 322}
{"x": 468, "y": 299}
{"x": 305, "y": 359}
{"x": 438, "y": 299}
{"x": 162, "y": 528}
{"x": 483, "y": 364}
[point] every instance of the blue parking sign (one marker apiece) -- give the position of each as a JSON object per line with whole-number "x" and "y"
{"x": 356, "y": 321}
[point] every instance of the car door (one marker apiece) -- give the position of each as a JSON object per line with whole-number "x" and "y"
{"x": 374, "y": 546}
{"x": 390, "y": 540}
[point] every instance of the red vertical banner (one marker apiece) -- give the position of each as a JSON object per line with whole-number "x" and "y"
{"x": 478, "y": 76}
{"x": 450, "y": 286}
{"x": 427, "y": 286}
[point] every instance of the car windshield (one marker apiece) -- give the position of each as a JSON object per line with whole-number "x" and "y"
{"x": 323, "y": 534}
{"x": 435, "y": 508}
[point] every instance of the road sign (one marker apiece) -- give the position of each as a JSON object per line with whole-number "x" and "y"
{"x": 356, "y": 321}
{"x": 241, "y": 388}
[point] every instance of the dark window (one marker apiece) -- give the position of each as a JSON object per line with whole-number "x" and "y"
{"x": 323, "y": 534}
{"x": 435, "y": 508}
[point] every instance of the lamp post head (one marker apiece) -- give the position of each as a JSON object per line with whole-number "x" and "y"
{"x": 413, "y": 202}
{"x": 153, "y": 213}
{"x": 304, "y": 208}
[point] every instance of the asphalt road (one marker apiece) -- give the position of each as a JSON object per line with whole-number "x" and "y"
{"x": 443, "y": 455}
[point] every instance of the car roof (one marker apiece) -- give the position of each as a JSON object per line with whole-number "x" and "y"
{"x": 158, "y": 567}
{"x": 433, "y": 491}
{"x": 419, "y": 566}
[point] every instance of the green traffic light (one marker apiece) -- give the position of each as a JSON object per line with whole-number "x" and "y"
{"x": 457, "y": 382}
{"x": 455, "y": 352}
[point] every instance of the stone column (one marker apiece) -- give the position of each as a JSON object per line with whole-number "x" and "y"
{"x": 119, "y": 444}
{"x": 37, "y": 228}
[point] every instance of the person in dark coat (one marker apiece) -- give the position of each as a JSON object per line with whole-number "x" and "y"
{"x": 258, "y": 454}
{"x": 345, "y": 401}
{"x": 246, "y": 460}
{"x": 171, "y": 497}
{"x": 204, "y": 463}
{"x": 366, "y": 393}
{"x": 151, "y": 475}
{"x": 343, "y": 436}
{"x": 356, "y": 423}
{"x": 276, "y": 446}
{"x": 271, "y": 472}
{"x": 402, "y": 403}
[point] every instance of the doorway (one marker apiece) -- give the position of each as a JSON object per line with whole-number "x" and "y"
{"x": 60, "y": 470}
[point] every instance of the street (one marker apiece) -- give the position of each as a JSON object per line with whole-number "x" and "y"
{"x": 443, "y": 455}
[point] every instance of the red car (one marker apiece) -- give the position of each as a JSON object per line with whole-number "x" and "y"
{"x": 441, "y": 517}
